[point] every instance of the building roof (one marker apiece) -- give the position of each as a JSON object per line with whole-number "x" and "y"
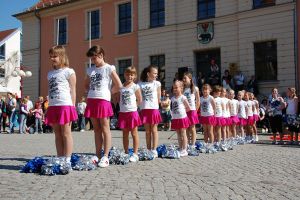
{"x": 44, "y": 4}
{"x": 4, "y": 34}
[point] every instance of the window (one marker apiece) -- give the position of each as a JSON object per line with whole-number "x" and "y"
{"x": 263, "y": 3}
{"x": 265, "y": 55}
{"x": 157, "y": 13}
{"x": 206, "y": 9}
{"x": 93, "y": 18}
{"x": 2, "y": 73}
{"x": 123, "y": 64}
{"x": 125, "y": 18}
{"x": 159, "y": 61}
{"x": 61, "y": 31}
{"x": 2, "y": 52}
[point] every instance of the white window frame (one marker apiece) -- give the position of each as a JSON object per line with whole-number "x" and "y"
{"x": 87, "y": 22}
{"x": 117, "y": 16}
{"x": 56, "y": 31}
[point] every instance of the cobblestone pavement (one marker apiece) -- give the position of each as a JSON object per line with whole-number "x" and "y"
{"x": 253, "y": 171}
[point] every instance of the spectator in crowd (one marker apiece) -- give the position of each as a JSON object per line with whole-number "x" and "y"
{"x": 214, "y": 76}
{"x": 252, "y": 85}
{"x": 239, "y": 81}
{"x": 23, "y": 115}
{"x": 80, "y": 110}
{"x": 29, "y": 103}
{"x": 11, "y": 110}
{"x": 165, "y": 112}
{"x": 39, "y": 115}
{"x": 3, "y": 108}
{"x": 200, "y": 80}
{"x": 226, "y": 80}
{"x": 264, "y": 121}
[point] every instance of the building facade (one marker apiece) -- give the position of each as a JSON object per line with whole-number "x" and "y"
{"x": 255, "y": 37}
{"x": 77, "y": 25}
{"x": 10, "y": 61}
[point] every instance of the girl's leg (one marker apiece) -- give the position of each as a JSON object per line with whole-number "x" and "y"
{"x": 4, "y": 123}
{"x": 98, "y": 136}
{"x": 154, "y": 133}
{"x": 125, "y": 140}
{"x": 205, "y": 130}
{"x": 233, "y": 130}
{"x": 218, "y": 135}
{"x": 36, "y": 125}
{"x": 223, "y": 133}
{"x": 148, "y": 135}
{"x": 106, "y": 135}
{"x": 228, "y": 131}
{"x": 67, "y": 139}
{"x": 210, "y": 133}
{"x": 179, "y": 138}
{"x": 183, "y": 139}
{"x": 192, "y": 135}
{"x": 136, "y": 141}
{"x": 189, "y": 135}
{"x": 58, "y": 140}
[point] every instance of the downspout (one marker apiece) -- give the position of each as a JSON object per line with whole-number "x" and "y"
{"x": 37, "y": 15}
{"x": 296, "y": 45}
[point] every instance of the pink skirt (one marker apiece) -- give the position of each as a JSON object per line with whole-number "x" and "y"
{"x": 220, "y": 121}
{"x": 250, "y": 120}
{"x": 180, "y": 123}
{"x": 227, "y": 121}
{"x": 193, "y": 117}
{"x": 98, "y": 108}
{"x": 60, "y": 115}
{"x": 242, "y": 122}
{"x": 150, "y": 116}
{"x": 129, "y": 120}
{"x": 208, "y": 120}
{"x": 234, "y": 120}
{"x": 256, "y": 117}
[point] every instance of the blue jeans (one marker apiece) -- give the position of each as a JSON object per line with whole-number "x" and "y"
{"x": 81, "y": 122}
{"x": 12, "y": 121}
{"x": 23, "y": 119}
{"x": 38, "y": 125}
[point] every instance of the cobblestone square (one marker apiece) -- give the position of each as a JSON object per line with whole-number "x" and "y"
{"x": 252, "y": 171}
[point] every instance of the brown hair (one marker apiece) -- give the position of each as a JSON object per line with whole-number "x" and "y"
{"x": 95, "y": 51}
{"x": 130, "y": 70}
{"x": 293, "y": 91}
{"x": 217, "y": 88}
{"x": 144, "y": 76}
{"x": 60, "y": 51}
{"x": 192, "y": 86}
{"x": 206, "y": 87}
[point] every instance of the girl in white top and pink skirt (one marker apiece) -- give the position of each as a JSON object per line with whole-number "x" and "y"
{"x": 191, "y": 92}
{"x": 129, "y": 120}
{"x": 207, "y": 113}
{"x": 255, "y": 115}
{"x": 150, "y": 115}
{"x": 233, "y": 107}
{"x": 180, "y": 121}
{"x": 226, "y": 115}
{"x": 242, "y": 113}
{"x": 98, "y": 83}
{"x": 219, "y": 119}
{"x": 62, "y": 95}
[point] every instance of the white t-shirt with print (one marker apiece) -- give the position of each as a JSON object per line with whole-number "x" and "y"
{"x": 233, "y": 104}
{"x": 191, "y": 97}
{"x": 100, "y": 82}
{"x": 226, "y": 111}
{"x": 242, "y": 109}
{"x": 149, "y": 94}
{"x": 206, "y": 107}
{"x": 219, "y": 109}
{"x": 59, "y": 87}
{"x": 249, "y": 108}
{"x": 178, "y": 109}
{"x": 128, "y": 98}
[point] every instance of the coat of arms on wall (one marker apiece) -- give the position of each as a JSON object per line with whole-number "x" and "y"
{"x": 205, "y": 32}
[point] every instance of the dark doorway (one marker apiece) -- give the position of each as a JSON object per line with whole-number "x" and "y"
{"x": 211, "y": 73}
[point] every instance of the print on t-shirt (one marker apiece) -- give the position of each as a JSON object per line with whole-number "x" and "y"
{"x": 175, "y": 108}
{"x": 204, "y": 106}
{"x": 147, "y": 93}
{"x": 126, "y": 98}
{"x": 188, "y": 96}
{"x": 96, "y": 81}
{"x": 53, "y": 88}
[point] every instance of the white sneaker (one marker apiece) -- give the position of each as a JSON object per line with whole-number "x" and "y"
{"x": 256, "y": 138}
{"x": 104, "y": 162}
{"x": 134, "y": 158}
{"x": 183, "y": 153}
{"x": 82, "y": 130}
{"x": 155, "y": 153}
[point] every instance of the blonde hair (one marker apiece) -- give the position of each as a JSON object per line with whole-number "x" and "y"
{"x": 60, "y": 51}
{"x": 293, "y": 92}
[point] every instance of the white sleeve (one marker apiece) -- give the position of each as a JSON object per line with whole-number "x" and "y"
{"x": 111, "y": 69}
{"x": 136, "y": 87}
{"x": 69, "y": 72}
{"x": 157, "y": 84}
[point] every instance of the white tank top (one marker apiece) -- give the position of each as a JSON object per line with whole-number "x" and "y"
{"x": 233, "y": 104}
{"x": 255, "y": 103}
{"x": 249, "y": 108}
{"x": 149, "y": 93}
{"x": 100, "y": 82}
{"x": 59, "y": 87}
{"x": 191, "y": 97}
{"x": 219, "y": 109}
{"x": 291, "y": 107}
{"x": 128, "y": 98}
{"x": 206, "y": 107}
{"x": 178, "y": 109}
{"x": 226, "y": 111}
{"x": 242, "y": 109}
